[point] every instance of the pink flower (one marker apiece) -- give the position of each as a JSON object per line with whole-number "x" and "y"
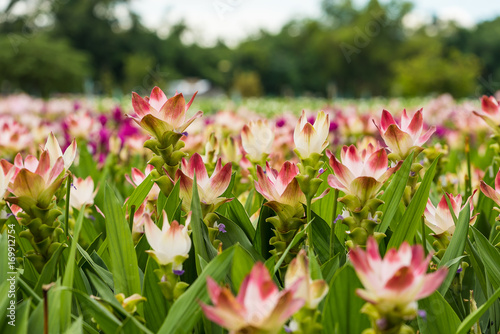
{"x": 209, "y": 189}
{"x": 259, "y": 307}
{"x": 488, "y": 191}
{"x": 398, "y": 280}
{"x": 79, "y": 124}
{"x": 361, "y": 174}
{"x": 14, "y": 137}
{"x": 7, "y": 172}
{"x": 439, "y": 219}
{"x": 158, "y": 114}
{"x": 490, "y": 112}
{"x": 403, "y": 139}
{"x": 137, "y": 177}
{"x": 36, "y": 181}
{"x": 280, "y": 187}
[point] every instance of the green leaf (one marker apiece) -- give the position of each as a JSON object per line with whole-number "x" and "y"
{"x": 321, "y": 240}
{"x": 235, "y": 235}
{"x": 490, "y": 256}
{"x": 104, "y": 274}
{"x": 185, "y": 312}
{"x": 393, "y": 194}
{"x": 456, "y": 247}
{"x": 139, "y": 194}
{"x": 410, "y": 222}
{"x": 202, "y": 245}
{"x": 440, "y": 316}
{"x": 264, "y": 232}
{"x": 48, "y": 271}
{"x": 341, "y": 312}
{"x": 295, "y": 240}
{"x": 76, "y": 327}
{"x": 236, "y": 212}
{"x": 329, "y": 269}
{"x": 472, "y": 318}
{"x": 242, "y": 265}
{"x": 69, "y": 274}
{"x": 121, "y": 247}
{"x": 172, "y": 203}
{"x": 155, "y": 307}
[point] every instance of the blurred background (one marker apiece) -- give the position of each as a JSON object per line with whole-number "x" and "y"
{"x": 242, "y": 48}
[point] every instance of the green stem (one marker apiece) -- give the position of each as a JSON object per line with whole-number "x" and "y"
{"x": 468, "y": 183}
{"x": 308, "y": 220}
{"x": 332, "y": 227}
{"x": 423, "y": 236}
{"x": 66, "y": 212}
{"x": 131, "y": 217}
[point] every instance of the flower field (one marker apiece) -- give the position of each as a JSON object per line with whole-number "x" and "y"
{"x": 271, "y": 216}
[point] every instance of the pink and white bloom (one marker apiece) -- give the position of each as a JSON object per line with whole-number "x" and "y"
{"x": 14, "y": 137}
{"x": 209, "y": 188}
{"x": 137, "y": 177}
{"x": 488, "y": 191}
{"x": 171, "y": 244}
{"x": 361, "y": 174}
{"x": 259, "y": 306}
{"x": 398, "y": 280}
{"x": 311, "y": 291}
{"x": 405, "y": 138}
{"x": 79, "y": 124}
{"x": 311, "y": 139}
{"x": 280, "y": 187}
{"x": 7, "y": 172}
{"x": 55, "y": 152}
{"x": 257, "y": 139}
{"x": 439, "y": 219}
{"x": 490, "y": 112}
{"x": 36, "y": 181}
{"x": 158, "y": 114}
{"x": 83, "y": 193}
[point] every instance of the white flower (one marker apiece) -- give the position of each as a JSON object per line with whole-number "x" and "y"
{"x": 309, "y": 138}
{"x": 82, "y": 193}
{"x": 171, "y": 244}
{"x": 257, "y": 139}
{"x": 52, "y": 146}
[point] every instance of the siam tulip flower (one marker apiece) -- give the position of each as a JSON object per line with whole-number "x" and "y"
{"x": 361, "y": 174}
{"x": 82, "y": 193}
{"x": 36, "y": 181}
{"x": 311, "y": 139}
{"x": 298, "y": 273}
{"x": 55, "y": 152}
{"x": 171, "y": 244}
{"x": 7, "y": 172}
{"x": 259, "y": 307}
{"x": 79, "y": 124}
{"x": 281, "y": 188}
{"x": 490, "y": 112}
{"x": 394, "y": 284}
{"x": 257, "y": 140}
{"x": 157, "y": 114}
{"x": 209, "y": 189}
{"x": 130, "y": 303}
{"x": 137, "y": 177}
{"x": 440, "y": 220}
{"x": 488, "y": 191}
{"x": 405, "y": 138}
{"x": 14, "y": 137}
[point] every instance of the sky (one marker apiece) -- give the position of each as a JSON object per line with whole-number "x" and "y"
{"x": 233, "y": 20}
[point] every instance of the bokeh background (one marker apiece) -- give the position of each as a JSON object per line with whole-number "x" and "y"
{"x": 242, "y": 48}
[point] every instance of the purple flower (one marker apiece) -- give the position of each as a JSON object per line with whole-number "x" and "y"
{"x": 333, "y": 126}
{"x": 382, "y": 323}
{"x": 459, "y": 270}
{"x": 178, "y": 272}
{"x": 222, "y": 228}
{"x": 321, "y": 171}
{"x": 339, "y": 217}
{"x": 280, "y": 122}
{"x": 422, "y": 314}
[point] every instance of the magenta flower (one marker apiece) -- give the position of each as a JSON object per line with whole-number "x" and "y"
{"x": 439, "y": 219}
{"x": 209, "y": 188}
{"x": 158, "y": 114}
{"x": 259, "y": 307}
{"x": 488, "y": 191}
{"x": 361, "y": 174}
{"x": 405, "y": 138}
{"x": 490, "y": 112}
{"x": 397, "y": 281}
